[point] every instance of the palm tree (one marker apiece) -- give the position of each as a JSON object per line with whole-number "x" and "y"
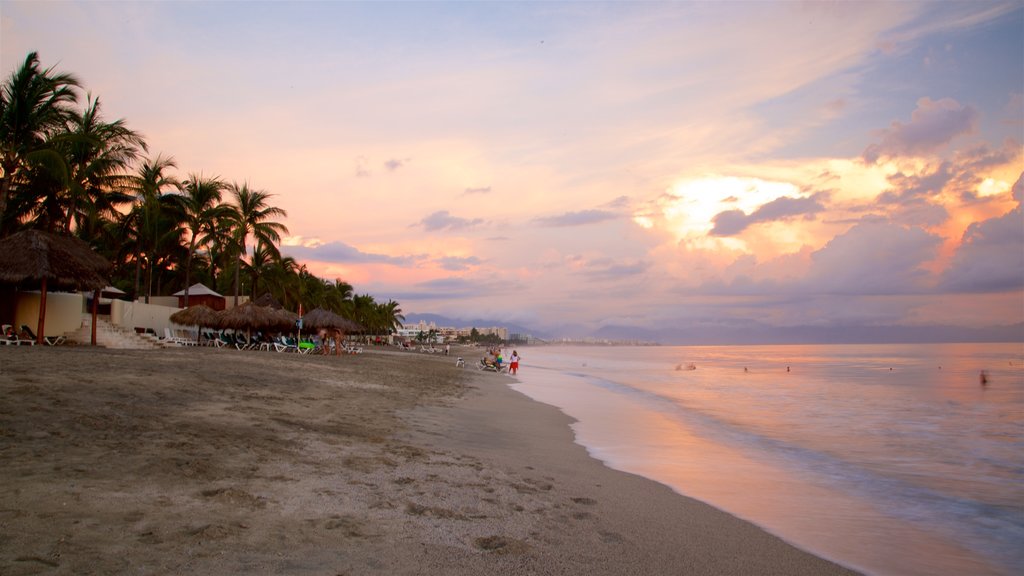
{"x": 392, "y": 316}
{"x": 201, "y": 210}
{"x": 283, "y": 281}
{"x": 363, "y": 306}
{"x": 260, "y": 264}
{"x": 253, "y": 218}
{"x": 98, "y": 154}
{"x": 140, "y": 227}
{"x": 34, "y": 103}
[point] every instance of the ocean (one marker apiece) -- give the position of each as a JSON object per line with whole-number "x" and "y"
{"x": 889, "y": 459}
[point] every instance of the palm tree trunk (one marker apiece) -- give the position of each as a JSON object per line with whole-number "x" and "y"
{"x": 238, "y": 268}
{"x": 188, "y": 269}
{"x": 42, "y": 313}
{"x": 149, "y": 280}
{"x": 138, "y": 271}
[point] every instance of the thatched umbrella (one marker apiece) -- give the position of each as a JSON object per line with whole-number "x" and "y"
{"x": 286, "y": 319}
{"x": 246, "y": 315}
{"x": 320, "y": 318}
{"x": 34, "y": 257}
{"x": 199, "y": 315}
{"x": 325, "y": 319}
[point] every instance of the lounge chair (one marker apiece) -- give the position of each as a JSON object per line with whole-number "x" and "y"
{"x": 170, "y": 338}
{"x": 23, "y": 338}
{"x": 221, "y": 339}
{"x": 285, "y": 344}
{"x": 50, "y": 340}
{"x": 308, "y": 347}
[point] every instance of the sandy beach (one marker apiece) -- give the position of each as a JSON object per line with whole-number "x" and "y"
{"x": 222, "y": 462}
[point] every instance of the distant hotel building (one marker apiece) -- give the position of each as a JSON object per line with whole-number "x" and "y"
{"x": 444, "y": 333}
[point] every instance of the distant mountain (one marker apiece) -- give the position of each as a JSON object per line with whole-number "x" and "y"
{"x": 755, "y": 333}
{"x": 749, "y": 332}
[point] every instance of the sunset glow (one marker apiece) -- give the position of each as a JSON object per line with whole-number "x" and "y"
{"x": 571, "y": 167}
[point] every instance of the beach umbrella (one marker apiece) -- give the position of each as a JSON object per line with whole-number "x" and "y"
{"x": 246, "y": 316}
{"x": 285, "y": 319}
{"x": 47, "y": 260}
{"x": 319, "y": 318}
{"x": 199, "y": 315}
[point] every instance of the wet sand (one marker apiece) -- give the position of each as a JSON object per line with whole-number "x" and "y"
{"x": 218, "y": 461}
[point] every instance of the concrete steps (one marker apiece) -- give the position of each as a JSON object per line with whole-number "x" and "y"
{"x": 111, "y": 336}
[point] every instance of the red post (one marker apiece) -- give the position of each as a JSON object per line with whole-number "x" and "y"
{"x": 95, "y": 312}
{"x": 42, "y": 313}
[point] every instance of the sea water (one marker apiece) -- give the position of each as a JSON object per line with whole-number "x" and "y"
{"x": 890, "y": 459}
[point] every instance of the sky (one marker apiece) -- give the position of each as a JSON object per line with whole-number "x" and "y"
{"x": 573, "y": 167}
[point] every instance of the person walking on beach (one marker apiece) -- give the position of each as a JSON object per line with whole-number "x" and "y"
{"x": 513, "y": 365}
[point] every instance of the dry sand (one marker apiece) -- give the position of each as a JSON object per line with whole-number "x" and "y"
{"x": 206, "y": 461}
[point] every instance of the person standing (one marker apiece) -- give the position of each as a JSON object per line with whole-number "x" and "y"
{"x": 513, "y": 364}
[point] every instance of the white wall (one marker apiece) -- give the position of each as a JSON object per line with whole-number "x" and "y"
{"x": 133, "y": 315}
{"x": 63, "y": 312}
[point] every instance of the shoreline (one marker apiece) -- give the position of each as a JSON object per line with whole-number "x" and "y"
{"x": 215, "y": 461}
{"x": 616, "y": 522}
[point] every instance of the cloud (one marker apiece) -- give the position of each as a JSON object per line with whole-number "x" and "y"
{"x": 933, "y": 124}
{"x": 339, "y": 252}
{"x": 456, "y": 288}
{"x": 480, "y": 190}
{"x": 733, "y": 222}
{"x": 605, "y": 270}
{"x": 917, "y": 188}
{"x": 443, "y": 220}
{"x": 872, "y": 258}
{"x": 362, "y": 170}
{"x": 395, "y": 163}
{"x": 990, "y": 257}
{"x": 580, "y": 218}
{"x": 457, "y": 263}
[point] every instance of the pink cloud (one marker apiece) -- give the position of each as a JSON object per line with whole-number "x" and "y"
{"x": 933, "y": 124}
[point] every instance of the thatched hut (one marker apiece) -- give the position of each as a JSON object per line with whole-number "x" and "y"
{"x": 38, "y": 259}
{"x": 198, "y": 293}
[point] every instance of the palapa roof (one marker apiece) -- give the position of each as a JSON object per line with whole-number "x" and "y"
{"x": 64, "y": 261}
{"x": 247, "y": 315}
{"x": 321, "y": 318}
{"x": 198, "y": 315}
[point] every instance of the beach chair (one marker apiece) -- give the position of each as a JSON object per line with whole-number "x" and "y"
{"x": 224, "y": 340}
{"x": 264, "y": 342}
{"x": 24, "y": 338}
{"x": 285, "y": 344}
{"x": 170, "y": 338}
{"x": 50, "y": 340}
{"x": 186, "y": 337}
{"x": 241, "y": 341}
